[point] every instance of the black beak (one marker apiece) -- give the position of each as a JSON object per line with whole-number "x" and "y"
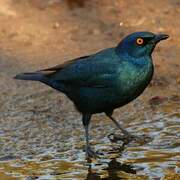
{"x": 160, "y": 37}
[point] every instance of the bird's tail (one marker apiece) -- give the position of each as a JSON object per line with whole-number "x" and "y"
{"x": 41, "y": 76}
{"x": 33, "y": 76}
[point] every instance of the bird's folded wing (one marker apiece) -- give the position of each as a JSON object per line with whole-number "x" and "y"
{"x": 64, "y": 65}
{"x": 84, "y": 72}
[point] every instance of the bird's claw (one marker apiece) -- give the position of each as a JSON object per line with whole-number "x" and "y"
{"x": 126, "y": 138}
{"x": 129, "y": 136}
{"x": 142, "y": 139}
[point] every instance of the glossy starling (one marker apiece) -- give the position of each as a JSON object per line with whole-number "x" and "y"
{"x": 106, "y": 80}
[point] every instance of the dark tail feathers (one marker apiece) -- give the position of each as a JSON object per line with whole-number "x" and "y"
{"x": 35, "y": 76}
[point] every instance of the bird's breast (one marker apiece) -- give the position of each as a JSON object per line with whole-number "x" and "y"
{"x": 133, "y": 80}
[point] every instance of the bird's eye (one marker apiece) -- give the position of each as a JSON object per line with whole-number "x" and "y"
{"x": 139, "y": 41}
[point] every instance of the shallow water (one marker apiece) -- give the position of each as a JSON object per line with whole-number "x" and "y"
{"x": 52, "y": 149}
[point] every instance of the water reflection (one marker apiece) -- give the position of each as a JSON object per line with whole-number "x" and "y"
{"x": 113, "y": 169}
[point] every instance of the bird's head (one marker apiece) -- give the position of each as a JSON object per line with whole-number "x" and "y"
{"x": 140, "y": 44}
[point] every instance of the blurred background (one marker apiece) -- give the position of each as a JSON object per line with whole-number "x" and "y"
{"x": 41, "y": 136}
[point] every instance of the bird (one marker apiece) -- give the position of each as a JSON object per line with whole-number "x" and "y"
{"x": 105, "y": 80}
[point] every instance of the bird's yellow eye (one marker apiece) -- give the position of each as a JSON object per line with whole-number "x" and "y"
{"x": 139, "y": 41}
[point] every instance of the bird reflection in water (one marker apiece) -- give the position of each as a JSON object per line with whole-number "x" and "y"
{"x": 112, "y": 171}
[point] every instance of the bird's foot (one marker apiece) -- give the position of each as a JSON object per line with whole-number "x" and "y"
{"x": 90, "y": 153}
{"x": 142, "y": 139}
{"x": 126, "y": 138}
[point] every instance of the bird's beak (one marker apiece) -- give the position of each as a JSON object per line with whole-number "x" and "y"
{"x": 160, "y": 37}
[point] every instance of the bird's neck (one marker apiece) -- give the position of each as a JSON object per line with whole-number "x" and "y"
{"x": 138, "y": 69}
{"x": 141, "y": 62}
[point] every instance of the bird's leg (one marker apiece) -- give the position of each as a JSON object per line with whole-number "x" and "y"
{"x": 89, "y": 152}
{"x": 127, "y": 135}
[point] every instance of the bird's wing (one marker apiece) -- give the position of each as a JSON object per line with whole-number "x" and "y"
{"x": 98, "y": 70}
{"x": 63, "y": 65}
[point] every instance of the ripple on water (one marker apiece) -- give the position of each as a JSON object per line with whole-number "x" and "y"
{"x": 47, "y": 155}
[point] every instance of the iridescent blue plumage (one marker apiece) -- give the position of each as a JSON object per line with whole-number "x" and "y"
{"x": 106, "y": 80}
